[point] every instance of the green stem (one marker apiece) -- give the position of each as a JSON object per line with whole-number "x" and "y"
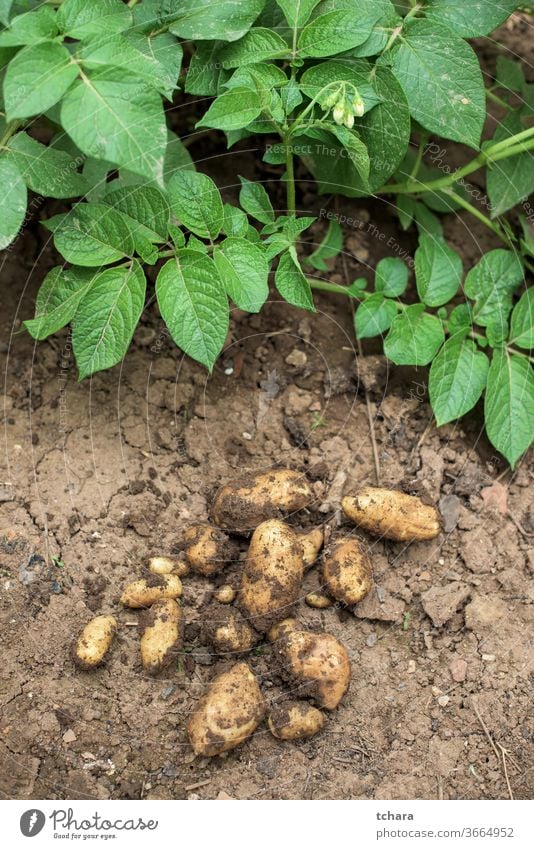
{"x": 290, "y": 179}
{"x": 335, "y": 289}
{"x": 419, "y": 159}
{"x": 10, "y": 130}
{"x": 491, "y": 225}
{"x": 496, "y": 99}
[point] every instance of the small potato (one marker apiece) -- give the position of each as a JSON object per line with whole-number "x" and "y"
{"x": 281, "y": 629}
{"x": 392, "y": 514}
{"x": 167, "y": 566}
{"x": 347, "y": 570}
{"x": 319, "y": 601}
{"x": 311, "y": 543}
{"x": 161, "y": 635}
{"x": 317, "y": 666}
{"x": 208, "y": 549}
{"x": 146, "y": 591}
{"x": 295, "y": 721}
{"x": 94, "y": 642}
{"x": 272, "y": 575}
{"x": 227, "y": 630}
{"x": 243, "y": 505}
{"x": 225, "y": 594}
{"x": 228, "y": 713}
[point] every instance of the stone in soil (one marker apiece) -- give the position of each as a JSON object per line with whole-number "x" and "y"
{"x": 387, "y": 608}
{"x": 441, "y": 603}
{"x": 484, "y": 612}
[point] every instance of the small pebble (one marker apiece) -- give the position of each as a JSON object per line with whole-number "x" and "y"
{"x": 297, "y": 358}
{"x": 246, "y": 435}
{"x": 228, "y": 371}
{"x": 458, "y": 668}
{"x": 371, "y": 640}
{"x": 488, "y": 657}
{"x": 443, "y": 701}
{"x": 436, "y": 691}
{"x": 411, "y": 667}
{"x": 168, "y": 691}
{"x": 69, "y": 736}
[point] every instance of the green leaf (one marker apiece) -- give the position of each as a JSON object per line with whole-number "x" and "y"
{"x": 57, "y": 300}
{"x": 145, "y": 209}
{"x": 391, "y": 277}
{"x": 194, "y": 305}
{"x": 292, "y": 284}
{"x": 227, "y": 20}
{"x": 232, "y": 110}
{"x": 297, "y": 12}
{"x": 204, "y": 69}
{"x": 258, "y": 45}
{"x": 235, "y": 221}
{"x": 381, "y": 32}
{"x": 336, "y": 32}
{"x": 460, "y": 319}
{"x": 491, "y": 283}
{"x": 30, "y": 28}
{"x": 13, "y": 201}
{"x": 106, "y": 318}
{"x": 330, "y": 247}
{"x": 116, "y": 116}
{"x": 166, "y": 53}
{"x": 457, "y": 379}
{"x": 427, "y": 223}
{"x": 49, "y": 172}
{"x": 244, "y": 271}
{"x": 509, "y": 406}
{"x": 509, "y": 180}
{"x": 36, "y": 78}
{"x": 92, "y": 234}
{"x": 374, "y": 316}
{"x": 80, "y": 19}
{"x": 442, "y": 80}
{"x": 177, "y": 157}
{"x": 197, "y": 203}
{"x": 522, "y": 327}
{"x": 414, "y": 338}
{"x": 5, "y": 10}
{"x": 255, "y": 200}
{"x": 356, "y": 150}
{"x": 438, "y": 271}
{"x": 405, "y": 211}
{"x": 470, "y": 18}
{"x": 509, "y": 74}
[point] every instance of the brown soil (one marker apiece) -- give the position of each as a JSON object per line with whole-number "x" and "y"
{"x": 96, "y": 477}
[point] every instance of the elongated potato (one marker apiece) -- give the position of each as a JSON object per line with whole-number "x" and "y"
{"x": 208, "y": 549}
{"x": 161, "y": 635}
{"x": 317, "y": 666}
{"x": 347, "y": 570}
{"x": 167, "y": 566}
{"x": 146, "y": 591}
{"x": 243, "y": 505}
{"x": 295, "y": 721}
{"x": 227, "y": 630}
{"x": 91, "y": 647}
{"x": 281, "y": 629}
{"x": 392, "y": 514}
{"x": 228, "y": 713}
{"x": 318, "y": 600}
{"x": 272, "y": 575}
{"x": 311, "y": 543}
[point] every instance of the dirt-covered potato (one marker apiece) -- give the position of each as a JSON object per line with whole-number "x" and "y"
{"x": 91, "y": 647}
{"x": 392, "y": 514}
{"x": 311, "y": 543}
{"x": 227, "y": 630}
{"x": 281, "y": 629}
{"x": 316, "y": 666}
{"x": 318, "y": 600}
{"x": 228, "y": 713}
{"x": 167, "y": 566}
{"x": 243, "y": 505}
{"x": 295, "y": 721}
{"x": 347, "y": 573}
{"x": 161, "y": 635}
{"x": 208, "y": 549}
{"x": 225, "y": 594}
{"x": 272, "y": 574}
{"x": 146, "y": 591}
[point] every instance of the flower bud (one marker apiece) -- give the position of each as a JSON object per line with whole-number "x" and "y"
{"x": 358, "y": 106}
{"x": 348, "y": 119}
{"x": 339, "y": 113}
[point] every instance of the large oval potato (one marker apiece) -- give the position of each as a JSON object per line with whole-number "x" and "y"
{"x": 146, "y": 591}
{"x": 243, "y": 505}
{"x": 317, "y": 666}
{"x": 161, "y": 635}
{"x": 347, "y": 570}
{"x": 311, "y": 543}
{"x": 295, "y": 721}
{"x": 208, "y": 549}
{"x": 227, "y": 630}
{"x": 272, "y": 575}
{"x": 91, "y": 647}
{"x": 228, "y": 713}
{"x": 392, "y": 514}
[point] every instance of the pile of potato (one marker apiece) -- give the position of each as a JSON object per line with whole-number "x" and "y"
{"x": 316, "y": 666}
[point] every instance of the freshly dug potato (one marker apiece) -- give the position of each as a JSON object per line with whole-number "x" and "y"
{"x": 311, "y": 543}
{"x": 243, "y": 505}
{"x": 317, "y": 666}
{"x": 295, "y": 721}
{"x": 208, "y": 549}
{"x": 146, "y": 591}
{"x": 272, "y": 575}
{"x": 225, "y": 594}
{"x": 347, "y": 570}
{"x": 161, "y": 635}
{"x": 167, "y": 566}
{"x": 227, "y": 630}
{"x": 281, "y": 629}
{"x": 228, "y": 713}
{"x": 392, "y": 514}
{"x": 91, "y": 647}
{"x": 318, "y": 600}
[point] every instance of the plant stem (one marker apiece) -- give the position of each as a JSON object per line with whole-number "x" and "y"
{"x": 496, "y": 99}
{"x": 335, "y": 289}
{"x": 290, "y": 179}
{"x": 419, "y": 159}
{"x": 11, "y": 129}
{"x": 491, "y": 225}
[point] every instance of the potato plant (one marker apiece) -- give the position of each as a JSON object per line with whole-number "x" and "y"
{"x": 359, "y": 91}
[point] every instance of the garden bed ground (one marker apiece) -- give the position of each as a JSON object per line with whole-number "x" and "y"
{"x": 102, "y": 474}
